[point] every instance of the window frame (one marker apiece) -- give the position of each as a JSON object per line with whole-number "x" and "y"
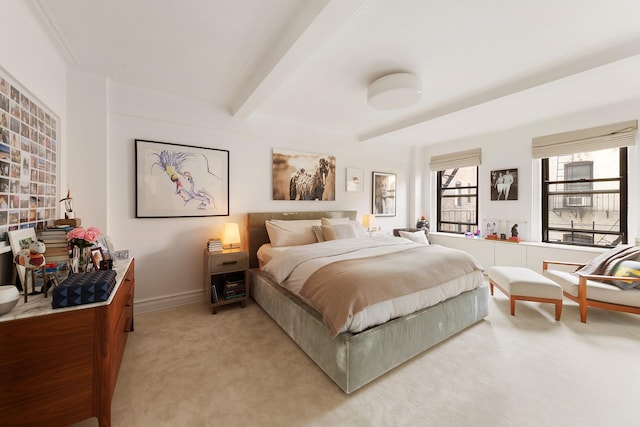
{"x": 457, "y": 195}
{"x": 623, "y": 191}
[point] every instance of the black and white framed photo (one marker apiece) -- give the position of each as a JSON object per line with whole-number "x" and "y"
{"x": 384, "y": 194}
{"x": 504, "y": 184}
{"x": 174, "y": 180}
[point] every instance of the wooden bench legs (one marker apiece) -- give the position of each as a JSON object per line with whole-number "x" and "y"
{"x": 514, "y": 298}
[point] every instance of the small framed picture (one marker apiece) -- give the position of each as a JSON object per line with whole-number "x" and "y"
{"x": 355, "y": 179}
{"x": 96, "y": 257}
{"x": 504, "y": 184}
{"x": 384, "y": 194}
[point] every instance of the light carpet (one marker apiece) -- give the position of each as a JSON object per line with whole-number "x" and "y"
{"x": 187, "y": 367}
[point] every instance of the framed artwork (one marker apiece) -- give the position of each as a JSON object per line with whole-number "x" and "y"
{"x": 504, "y": 184}
{"x": 108, "y": 251}
{"x": 384, "y": 194}
{"x": 28, "y": 159}
{"x": 303, "y": 176}
{"x": 20, "y": 239}
{"x": 96, "y": 257}
{"x": 174, "y": 180}
{"x": 355, "y": 180}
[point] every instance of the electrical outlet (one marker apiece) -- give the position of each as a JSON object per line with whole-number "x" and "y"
{"x": 124, "y": 254}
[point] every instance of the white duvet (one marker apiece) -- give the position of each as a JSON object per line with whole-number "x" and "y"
{"x": 290, "y": 268}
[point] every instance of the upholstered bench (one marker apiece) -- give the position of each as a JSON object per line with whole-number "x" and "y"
{"x": 525, "y": 285}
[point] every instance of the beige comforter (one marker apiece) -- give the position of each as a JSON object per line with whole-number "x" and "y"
{"x": 343, "y": 289}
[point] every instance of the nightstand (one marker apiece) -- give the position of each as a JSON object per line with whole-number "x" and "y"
{"x": 226, "y": 275}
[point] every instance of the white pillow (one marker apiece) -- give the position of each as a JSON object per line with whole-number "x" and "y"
{"x": 339, "y": 231}
{"x": 360, "y": 232}
{"x": 415, "y": 236}
{"x": 291, "y": 233}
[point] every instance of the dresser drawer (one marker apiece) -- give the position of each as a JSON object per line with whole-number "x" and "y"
{"x": 227, "y": 262}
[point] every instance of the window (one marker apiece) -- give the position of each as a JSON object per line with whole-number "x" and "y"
{"x": 584, "y": 198}
{"x": 458, "y": 214}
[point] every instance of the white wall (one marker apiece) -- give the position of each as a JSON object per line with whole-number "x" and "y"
{"x": 29, "y": 57}
{"x": 512, "y": 149}
{"x": 169, "y": 251}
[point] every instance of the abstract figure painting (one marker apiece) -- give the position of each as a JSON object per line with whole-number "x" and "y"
{"x": 174, "y": 180}
{"x": 384, "y": 194}
{"x": 303, "y": 176}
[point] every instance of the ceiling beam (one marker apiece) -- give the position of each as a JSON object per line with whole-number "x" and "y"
{"x": 564, "y": 67}
{"x": 298, "y": 45}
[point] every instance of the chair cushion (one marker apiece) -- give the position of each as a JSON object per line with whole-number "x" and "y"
{"x": 598, "y": 291}
{"x": 626, "y": 269}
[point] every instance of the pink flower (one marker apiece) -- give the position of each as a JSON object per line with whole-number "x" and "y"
{"x": 91, "y": 235}
{"x": 83, "y": 237}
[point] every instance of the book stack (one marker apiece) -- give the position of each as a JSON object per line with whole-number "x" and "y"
{"x": 234, "y": 286}
{"x": 214, "y": 245}
{"x": 55, "y": 240}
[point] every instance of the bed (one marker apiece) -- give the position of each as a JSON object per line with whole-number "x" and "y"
{"x": 353, "y": 359}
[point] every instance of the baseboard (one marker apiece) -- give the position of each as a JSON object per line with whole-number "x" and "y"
{"x": 168, "y": 301}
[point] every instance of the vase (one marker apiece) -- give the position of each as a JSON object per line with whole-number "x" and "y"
{"x": 80, "y": 259}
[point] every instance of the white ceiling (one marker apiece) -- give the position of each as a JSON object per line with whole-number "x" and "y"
{"x": 484, "y": 64}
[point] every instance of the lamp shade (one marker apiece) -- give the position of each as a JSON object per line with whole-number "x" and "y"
{"x": 230, "y": 234}
{"x": 369, "y": 221}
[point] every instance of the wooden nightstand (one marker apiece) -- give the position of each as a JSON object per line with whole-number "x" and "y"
{"x": 226, "y": 275}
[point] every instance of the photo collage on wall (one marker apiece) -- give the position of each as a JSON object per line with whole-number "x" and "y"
{"x": 28, "y": 160}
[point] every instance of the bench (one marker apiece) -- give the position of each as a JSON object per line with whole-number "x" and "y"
{"x": 523, "y": 284}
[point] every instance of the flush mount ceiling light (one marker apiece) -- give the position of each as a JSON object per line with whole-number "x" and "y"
{"x": 394, "y": 91}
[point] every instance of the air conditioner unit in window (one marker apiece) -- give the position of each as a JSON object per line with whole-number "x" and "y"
{"x": 577, "y": 201}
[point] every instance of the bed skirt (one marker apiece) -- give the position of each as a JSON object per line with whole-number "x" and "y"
{"x": 353, "y": 360}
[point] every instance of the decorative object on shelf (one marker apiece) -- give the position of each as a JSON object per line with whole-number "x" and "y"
{"x": 80, "y": 258}
{"x": 81, "y": 240}
{"x": 20, "y": 240}
{"x": 174, "y": 180}
{"x": 514, "y": 234}
{"x": 504, "y": 184}
{"x": 97, "y": 257}
{"x": 355, "y": 180}
{"x": 230, "y": 236}
{"x": 422, "y": 222}
{"x": 68, "y": 206}
{"x": 303, "y": 176}
{"x": 32, "y": 256}
{"x": 9, "y": 296}
{"x": 384, "y": 194}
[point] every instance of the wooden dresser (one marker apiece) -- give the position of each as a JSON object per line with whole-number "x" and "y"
{"x": 60, "y": 366}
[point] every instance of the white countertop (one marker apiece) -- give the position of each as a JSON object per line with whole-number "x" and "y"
{"x": 38, "y": 305}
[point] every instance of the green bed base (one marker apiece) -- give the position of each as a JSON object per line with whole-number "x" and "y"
{"x": 353, "y": 360}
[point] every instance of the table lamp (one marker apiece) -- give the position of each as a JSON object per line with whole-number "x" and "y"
{"x": 369, "y": 222}
{"x": 230, "y": 235}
